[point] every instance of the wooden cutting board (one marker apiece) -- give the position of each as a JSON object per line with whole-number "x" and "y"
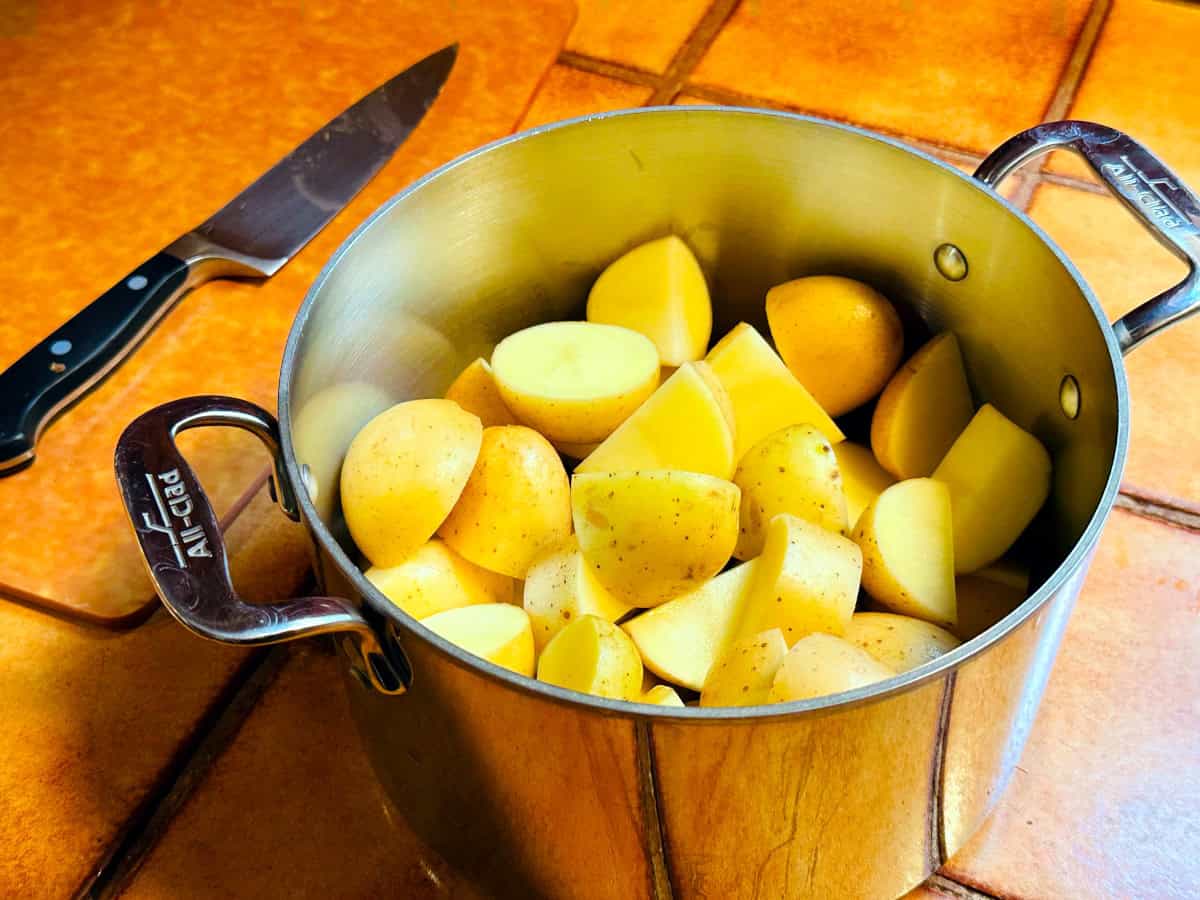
{"x": 126, "y": 124}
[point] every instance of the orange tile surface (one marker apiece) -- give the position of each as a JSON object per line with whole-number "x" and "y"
{"x": 1105, "y": 802}
{"x": 137, "y": 123}
{"x": 91, "y": 718}
{"x": 568, "y": 92}
{"x": 633, "y": 33}
{"x": 943, "y": 72}
{"x": 1125, "y": 266}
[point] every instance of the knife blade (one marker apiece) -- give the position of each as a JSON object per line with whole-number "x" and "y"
{"x": 252, "y": 236}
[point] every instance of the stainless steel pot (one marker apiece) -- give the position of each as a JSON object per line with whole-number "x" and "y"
{"x": 536, "y": 791}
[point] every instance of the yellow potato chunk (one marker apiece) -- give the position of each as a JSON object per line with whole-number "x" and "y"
{"x": 999, "y": 477}
{"x": 651, "y": 536}
{"x": 593, "y": 657}
{"x": 985, "y": 598}
{"x": 662, "y": 695}
{"x": 841, "y": 338}
{"x": 863, "y": 479}
{"x": 907, "y": 545}
{"x": 807, "y": 580}
{"x": 899, "y": 642}
{"x": 516, "y": 503}
{"x": 497, "y": 632}
{"x": 435, "y": 578}
{"x": 922, "y": 410}
{"x": 560, "y": 587}
{"x": 657, "y": 289}
{"x": 575, "y": 381}
{"x": 821, "y": 664}
{"x": 682, "y": 426}
{"x": 764, "y": 394}
{"x": 743, "y": 675}
{"x": 475, "y": 391}
{"x": 791, "y": 471}
{"x": 403, "y": 473}
{"x": 681, "y": 639}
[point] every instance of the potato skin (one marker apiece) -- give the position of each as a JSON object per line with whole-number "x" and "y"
{"x": 404, "y": 472}
{"x": 435, "y": 578}
{"x": 560, "y": 587}
{"x": 515, "y": 504}
{"x": 475, "y": 391}
{"x": 899, "y": 642}
{"x": 821, "y": 664}
{"x": 743, "y": 674}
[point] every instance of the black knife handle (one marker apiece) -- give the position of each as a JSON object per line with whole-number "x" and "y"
{"x": 80, "y": 353}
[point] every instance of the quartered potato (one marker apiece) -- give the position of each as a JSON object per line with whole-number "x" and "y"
{"x": 863, "y": 479}
{"x": 435, "y": 578}
{"x": 899, "y": 642}
{"x": 515, "y": 504}
{"x": 593, "y": 657}
{"x": 657, "y": 289}
{"x": 662, "y": 695}
{"x": 475, "y": 391}
{"x": 744, "y": 673}
{"x": 651, "y": 536}
{"x": 560, "y": 587}
{"x": 575, "y": 381}
{"x": 403, "y": 473}
{"x": 823, "y": 664}
{"x": 497, "y": 632}
{"x": 791, "y": 471}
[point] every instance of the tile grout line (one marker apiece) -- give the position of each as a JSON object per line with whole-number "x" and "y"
{"x": 1156, "y": 511}
{"x": 958, "y": 890}
{"x": 594, "y": 65}
{"x": 692, "y": 50}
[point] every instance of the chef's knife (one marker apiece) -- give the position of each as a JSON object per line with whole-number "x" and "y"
{"x": 252, "y": 236}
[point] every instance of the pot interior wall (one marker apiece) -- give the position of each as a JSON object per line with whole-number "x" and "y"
{"x": 516, "y": 234}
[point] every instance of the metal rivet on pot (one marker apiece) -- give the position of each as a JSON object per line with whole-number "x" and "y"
{"x": 310, "y": 482}
{"x": 951, "y": 262}
{"x": 1068, "y": 396}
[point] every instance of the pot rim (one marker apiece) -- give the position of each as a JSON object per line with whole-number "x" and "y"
{"x": 903, "y": 682}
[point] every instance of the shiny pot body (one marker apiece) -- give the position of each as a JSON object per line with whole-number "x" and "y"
{"x": 535, "y": 791}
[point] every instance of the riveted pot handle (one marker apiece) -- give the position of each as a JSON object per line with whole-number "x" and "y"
{"x": 184, "y": 551}
{"x": 1147, "y": 187}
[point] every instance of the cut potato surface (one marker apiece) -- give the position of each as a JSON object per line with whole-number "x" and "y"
{"x": 922, "y": 410}
{"x": 497, "y": 632}
{"x": 403, "y": 473}
{"x": 651, "y": 536}
{"x": 560, "y": 587}
{"x": 764, "y": 394}
{"x": 515, "y": 504}
{"x": 435, "y": 578}
{"x": 575, "y": 381}
{"x": 841, "y": 338}
{"x": 806, "y": 580}
{"x": 899, "y": 642}
{"x": 683, "y": 425}
{"x": 662, "y": 695}
{"x": 744, "y": 673}
{"x": 863, "y": 479}
{"x": 822, "y": 664}
{"x": 594, "y": 657}
{"x": 791, "y": 471}
{"x": 907, "y": 543}
{"x": 657, "y": 289}
{"x": 681, "y": 639}
{"x": 999, "y": 477}
{"x": 475, "y": 391}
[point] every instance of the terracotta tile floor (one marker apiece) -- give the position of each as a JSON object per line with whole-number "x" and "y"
{"x": 1104, "y": 803}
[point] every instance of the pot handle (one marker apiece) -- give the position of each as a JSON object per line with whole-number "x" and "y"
{"x": 1147, "y": 187}
{"x": 184, "y": 550}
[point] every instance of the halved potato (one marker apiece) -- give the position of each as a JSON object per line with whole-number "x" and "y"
{"x": 497, "y": 632}
{"x": 594, "y": 657}
{"x": 575, "y": 381}
{"x": 999, "y": 477}
{"x": 681, "y": 639}
{"x": 764, "y": 394}
{"x": 475, "y": 391}
{"x": 657, "y": 289}
{"x": 683, "y": 426}
{"x": 560, "y": 587}
{"x": 806, "y": 580}
{"x": 791, "y": 471}
{"x": 662, "y": 695}
{"x": 516, "y": 503}
{"x": 403, "y": 473}
{"x": 823, "y": 664}
{"x": 922, "y": 410}
{"x": 435, "y": 578}
{"x": 651, "y": 536}
{"x": 899, "y": 642}
{"x": 907, "y": 543}
{"x": 743, "y": 675}
{"x": 841, "y": 338}
{"x": 863, "y": 478}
